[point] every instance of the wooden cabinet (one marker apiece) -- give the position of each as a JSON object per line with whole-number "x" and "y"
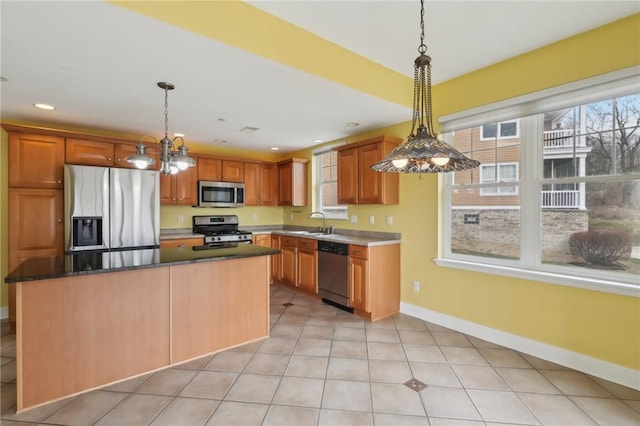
{"x": 289, "y": 248}
{"x": 36, "y": 229}
{"x": 374, "y": 280}
{"x": 263, "y": 240}
{"x": 124, "y": 150}
{"x": 260, "y": 182}
{"x": 276, "y": 260}
{"x": 307, "y": 265}
{"x": 180, "y": 189}
{"x": 36, "y": 161}
{"x": 292, "y": 182}
{"x": 357, "y": 182}
{"x": 89, "y": 152}
{"x": 214, "y": 169}
{"x": 182, "y": 242}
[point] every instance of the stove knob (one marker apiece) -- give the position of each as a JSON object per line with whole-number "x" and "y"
{"x": 217, "y": 238}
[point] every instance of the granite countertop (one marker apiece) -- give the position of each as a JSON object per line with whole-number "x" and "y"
{"x": 87, "y": 263}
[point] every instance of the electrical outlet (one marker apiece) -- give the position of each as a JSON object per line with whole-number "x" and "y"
{"x": 372, "y": 220}
{"x": 389, "y": 220}
{"x": 416, "y": 286}
{"x": 291, "y": 216}
{"x": 180, "y": 218}
{"x": 255, "y": 217}
{"x": 354, "y": 218}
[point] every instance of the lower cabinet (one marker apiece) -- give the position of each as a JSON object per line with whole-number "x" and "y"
{"x": 264, "y": 240}
{"x": 307, "y": 265}
{"x": 289, "y": 248}
{"x": 276, "y": 260}
{"x": 374, "y": 280}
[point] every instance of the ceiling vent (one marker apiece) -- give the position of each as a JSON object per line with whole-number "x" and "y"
{"x": 249, "y": 129}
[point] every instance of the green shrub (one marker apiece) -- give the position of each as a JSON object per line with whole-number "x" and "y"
{"x": 600, "y": 246}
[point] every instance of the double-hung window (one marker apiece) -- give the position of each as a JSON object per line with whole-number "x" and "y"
{"x": 326, "y": 184}
{"x": 557, "y": 166}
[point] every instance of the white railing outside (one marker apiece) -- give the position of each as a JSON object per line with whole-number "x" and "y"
{"x": 561, "y": 138}
{"x": 569, "y": 199}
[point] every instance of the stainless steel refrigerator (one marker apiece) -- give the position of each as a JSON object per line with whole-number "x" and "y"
{"x": 111, "y": 209}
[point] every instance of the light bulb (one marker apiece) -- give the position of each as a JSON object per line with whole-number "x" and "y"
{"x": 140, "y": 164}
{"x": 440, "y": 161}
{"x": 173, "y": 169}
{"x": 182, "y": 165}
{"x": 399, "y": 163}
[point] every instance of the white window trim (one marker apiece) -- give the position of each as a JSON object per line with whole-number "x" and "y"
{"x": 343, "y": 214}
{"x": 612, "y": 85}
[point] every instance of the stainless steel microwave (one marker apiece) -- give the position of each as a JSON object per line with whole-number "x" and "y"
{"x": 220, "y": 194}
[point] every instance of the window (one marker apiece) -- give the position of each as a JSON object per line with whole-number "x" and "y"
{"x": 326, "y": 188}
{"x": 503, "y": 130}
{"x": 506, "y": 173}
{"x": 572, "y": 173}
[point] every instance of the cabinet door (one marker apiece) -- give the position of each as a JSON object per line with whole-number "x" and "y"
{"x": 369, "y": 181}
{"x": 307, "y": 270}
{"x": 209, "y": 169}
{"x": 36, "y": 224}
{"x": 348, "y": 176}
{"x": 251, "y": 184}
{"x": 285, "y": 184}
{"x": 276, "y": 260}
{"x": 123, "y": 150}
{"x": 232, "y": 171}
{"x": 358, "y": 284}
{"x": 35, "y": 161}
{"x": 187, "y": 187}
{"x": 289, "y": 265}
{"x": 167, "y": 189}
{"x": 263, "y": 240}
{"x": 268, "y": 185}
{"x": 91, "y": 153}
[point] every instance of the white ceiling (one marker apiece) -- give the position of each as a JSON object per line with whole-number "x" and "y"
{"x": 99, "y": 63}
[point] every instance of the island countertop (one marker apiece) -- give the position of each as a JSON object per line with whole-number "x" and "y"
{"x": 86, "y": 263}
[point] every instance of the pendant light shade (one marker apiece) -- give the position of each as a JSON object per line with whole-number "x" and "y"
{"x": 422, "y": 151}
{"x": 171, "y": 162}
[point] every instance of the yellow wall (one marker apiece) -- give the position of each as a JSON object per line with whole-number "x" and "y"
{"x": 599, "y": 325}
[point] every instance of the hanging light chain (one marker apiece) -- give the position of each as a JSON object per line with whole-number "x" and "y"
{"x": 166, "y": 111}
{"x": 422, "y": 48}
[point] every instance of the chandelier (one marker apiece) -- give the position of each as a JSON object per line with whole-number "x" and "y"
{"x": 171, "y": 161}
{"x": 422, "y": 152}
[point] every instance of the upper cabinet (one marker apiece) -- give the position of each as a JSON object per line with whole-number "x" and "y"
{"x": 89, "y": 152}
{"x": 357, "y": 182}
{"x": 36, "y": 161}
{"x": 292, "y": 182}
{"x": 181, "y": 188}
{"x": 215, "y": 169}
{"x": 261, "y": 184}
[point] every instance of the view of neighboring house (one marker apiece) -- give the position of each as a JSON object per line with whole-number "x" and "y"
{"x": 586, "y": 140}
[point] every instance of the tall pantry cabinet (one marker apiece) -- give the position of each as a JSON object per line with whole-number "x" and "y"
{"x": 36, "y": 200}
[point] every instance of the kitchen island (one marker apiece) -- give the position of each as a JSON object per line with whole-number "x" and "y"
{"x": 92, "y": 319}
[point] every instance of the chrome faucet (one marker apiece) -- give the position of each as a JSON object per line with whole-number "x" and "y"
{"x": 324, "y": 220}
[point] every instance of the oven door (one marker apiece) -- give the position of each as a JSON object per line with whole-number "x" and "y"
{"x": 220, "y": 194}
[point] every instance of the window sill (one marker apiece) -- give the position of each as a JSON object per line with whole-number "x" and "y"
{"x": 547, "y": 277}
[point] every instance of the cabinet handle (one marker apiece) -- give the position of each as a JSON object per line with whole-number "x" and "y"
{"x": 109, "y": 158}
{"x": 59, "y": 220}
{"x": 59, "y": 181}
{"x": 356, "y": 252}
{"x": 182, "y": 245}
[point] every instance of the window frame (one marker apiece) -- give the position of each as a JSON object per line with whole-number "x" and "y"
{"x": 486, "y": 191}
{"x": 339, "y": 212}
{"x": 529, "y": 109}
{"x": 498, "y": 135}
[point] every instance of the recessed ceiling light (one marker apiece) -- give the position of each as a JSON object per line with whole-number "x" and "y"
{"x": 219, "y": 141}
{"x": 2, "y": 79}
{"x": 179, "y": 135}
{"x": 274, "y": 148}
{"x": 45, "y": 107}
{"x": 352, "y": 124}
{"x": 249, "y": 129}
{"x": 221, "y": 120}
{"x": 317, "y": 141}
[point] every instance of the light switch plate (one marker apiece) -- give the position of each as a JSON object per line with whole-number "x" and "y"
{"x": 389, "y": 220}
{"x": 372, "y": 220}
{"x": 354, "y": 218}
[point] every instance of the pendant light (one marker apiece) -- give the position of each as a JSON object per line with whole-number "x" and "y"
{"x": 171, "y": 162}
{"x": 422, "y": 152}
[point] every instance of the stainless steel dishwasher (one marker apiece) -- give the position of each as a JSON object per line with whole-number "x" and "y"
{"x": 333, "y": 274}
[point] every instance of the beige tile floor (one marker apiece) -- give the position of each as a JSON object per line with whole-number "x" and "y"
{"x": 322, "y": 366}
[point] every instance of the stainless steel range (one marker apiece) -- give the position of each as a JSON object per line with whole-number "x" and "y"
{"x": 219, "y": 231}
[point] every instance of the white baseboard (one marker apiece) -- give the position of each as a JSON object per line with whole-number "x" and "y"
{"x": 586, "y": 364}
{"x": 4, "y": 312}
